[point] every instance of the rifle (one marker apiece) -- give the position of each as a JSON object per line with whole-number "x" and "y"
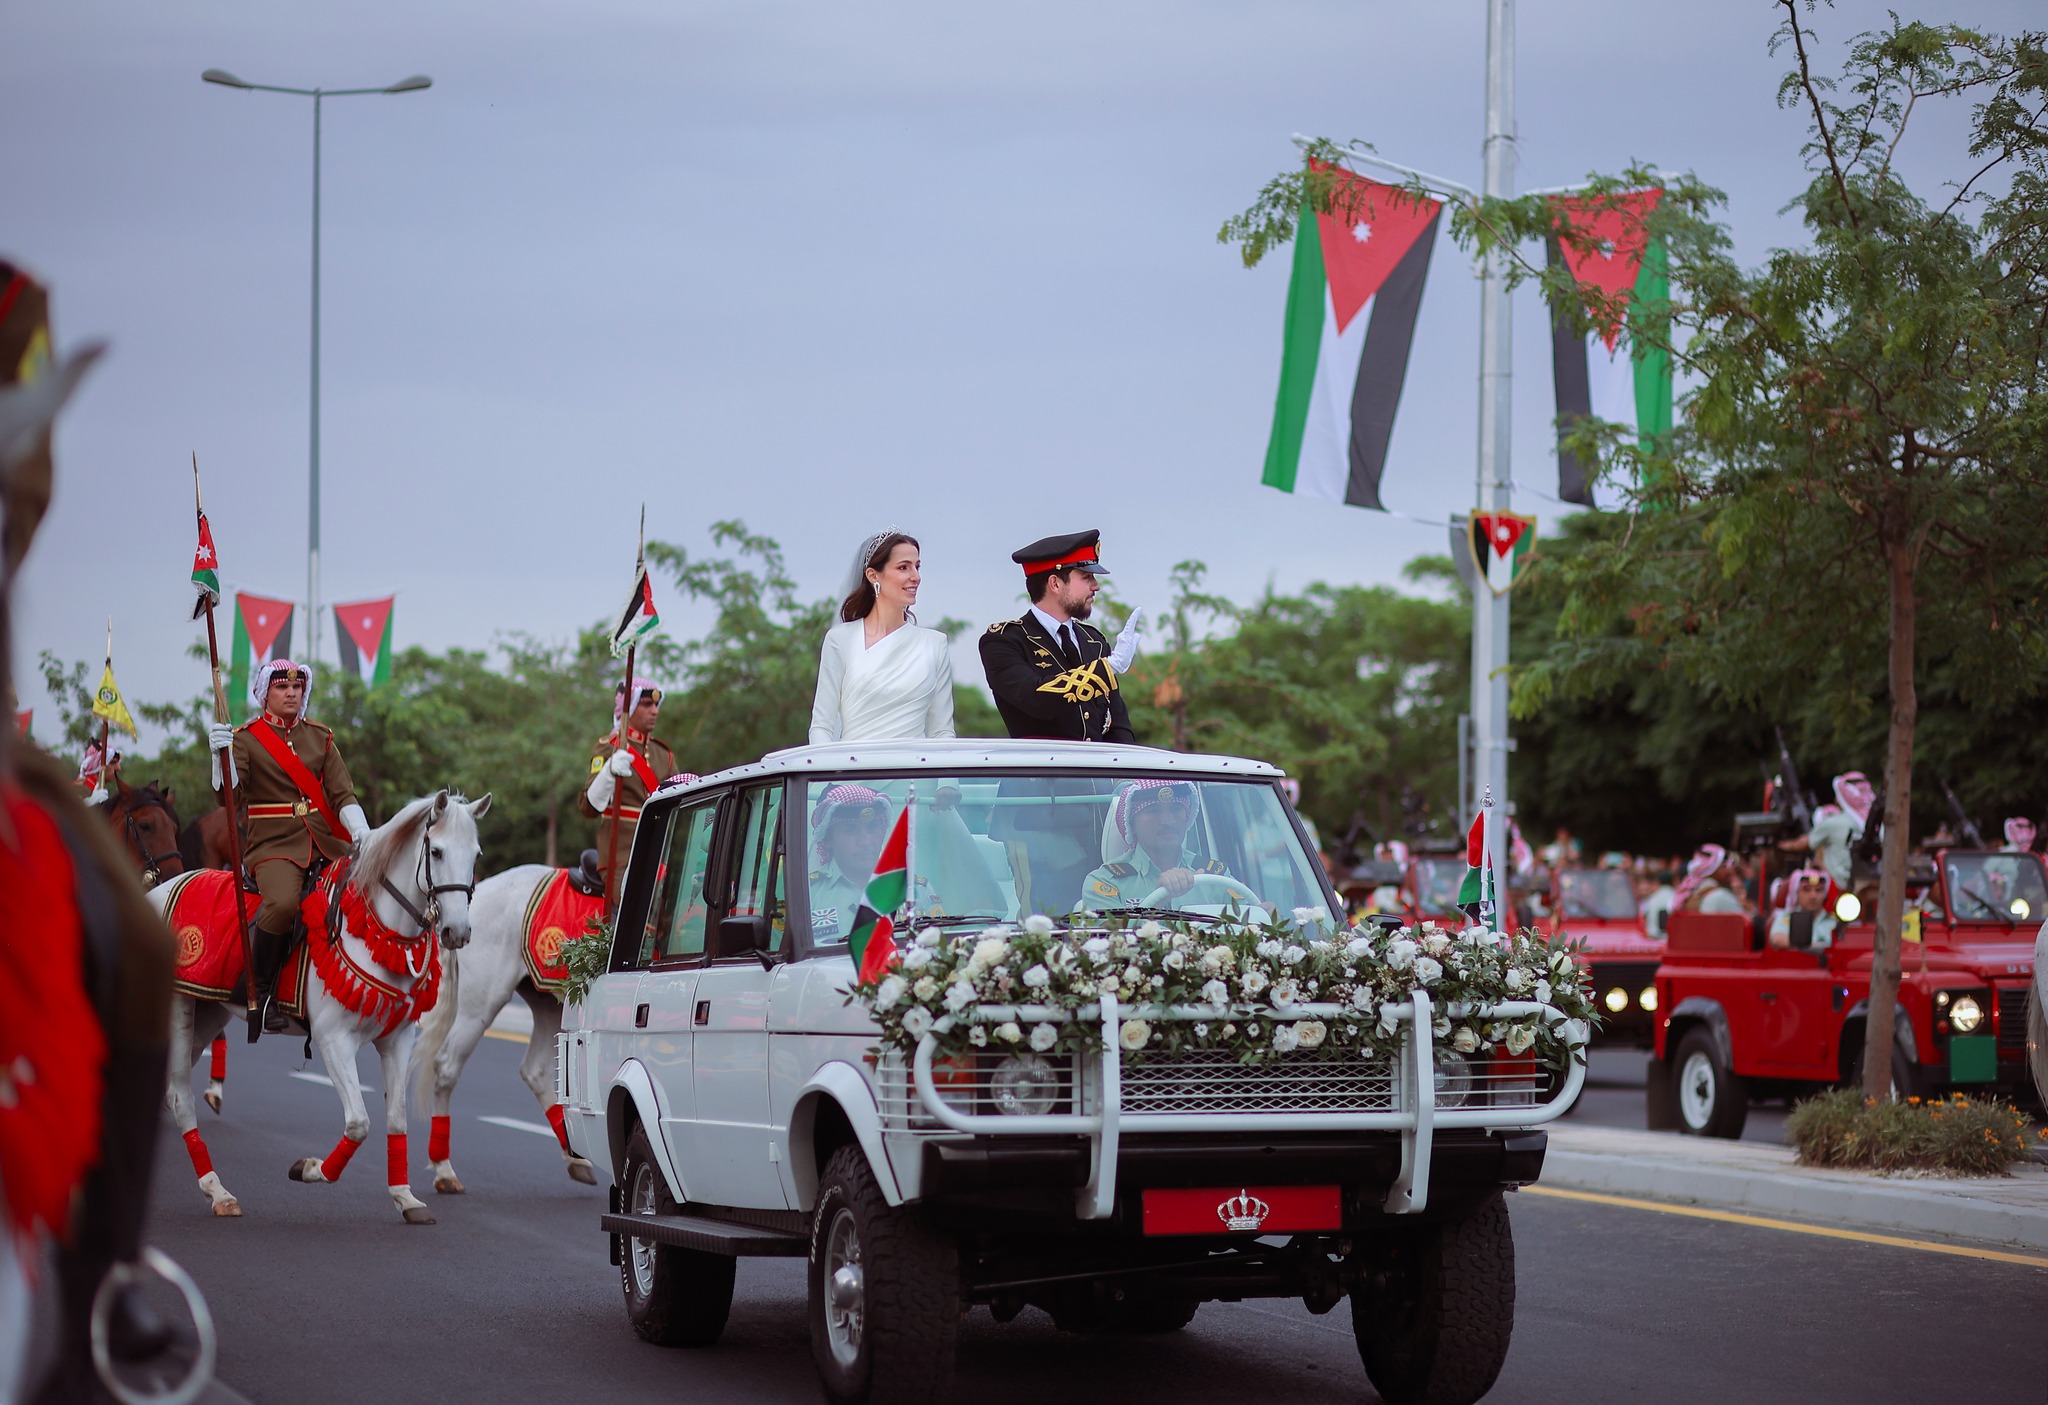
{"x": 1788, "y": 777}
{"x": 1966, "y": 828}
{"x": 1869, "y": 845}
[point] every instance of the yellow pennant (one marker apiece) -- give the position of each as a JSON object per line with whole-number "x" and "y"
{"x": 107, "y": 703}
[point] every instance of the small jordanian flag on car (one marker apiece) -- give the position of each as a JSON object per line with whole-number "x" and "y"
{"x": 874, "y": 923}
{"x": 1472, "y": 891}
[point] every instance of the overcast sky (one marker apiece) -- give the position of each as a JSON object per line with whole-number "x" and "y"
{"x": 826, "y": 268}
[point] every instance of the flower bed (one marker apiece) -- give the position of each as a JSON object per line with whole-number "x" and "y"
{"x": 1961, "y": 1136}
{"x": 1252, "y": 981}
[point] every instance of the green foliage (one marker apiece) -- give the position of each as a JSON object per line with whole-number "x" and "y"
{"x": 1961, "y": 1136}
{"x": 1319, "y": 185}
{"x": 586, "y": 956}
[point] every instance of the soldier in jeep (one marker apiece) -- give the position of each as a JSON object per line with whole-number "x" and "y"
{"x": 1146, "y": 849}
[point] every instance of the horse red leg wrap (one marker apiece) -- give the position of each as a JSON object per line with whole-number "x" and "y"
{"x": 202, "y": 1163}
{"x": 219, "y": 1072}
{"x": 337, "y": 1159}
{"x": 437, "y": 1140}
{"x": 394, "y": 1158}
{"x": 561, "y": 1126}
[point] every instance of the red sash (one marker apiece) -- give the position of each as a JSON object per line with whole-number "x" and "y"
{"x": 295, "y": 771}
{"x": 641, "y": 769}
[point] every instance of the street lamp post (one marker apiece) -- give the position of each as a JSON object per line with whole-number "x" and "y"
{"x": 404, "y": 85}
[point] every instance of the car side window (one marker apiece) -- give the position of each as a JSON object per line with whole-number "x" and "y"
{"x": 676, "y": 919}
{"x": 758, "y": 882}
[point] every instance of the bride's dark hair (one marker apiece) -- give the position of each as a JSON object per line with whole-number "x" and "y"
{"x": 861, "y": 601}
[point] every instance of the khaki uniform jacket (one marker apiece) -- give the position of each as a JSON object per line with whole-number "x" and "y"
{"x": 277, "y": 821}
{"x": 632, "y": 792}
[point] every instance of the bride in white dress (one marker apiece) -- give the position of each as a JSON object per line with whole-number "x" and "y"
{"x": 880, "y": 675}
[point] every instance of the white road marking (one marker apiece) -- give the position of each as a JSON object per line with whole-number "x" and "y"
{"x": 322, "y": 1079}
{"x": 537, "y": 1128}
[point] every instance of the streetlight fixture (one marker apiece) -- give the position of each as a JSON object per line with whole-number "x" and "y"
{"x": 414, "y": 84}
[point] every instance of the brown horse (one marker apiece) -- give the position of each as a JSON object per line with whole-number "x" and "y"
{"x": 204, "y": 842}
{"x": 145, "y": 819}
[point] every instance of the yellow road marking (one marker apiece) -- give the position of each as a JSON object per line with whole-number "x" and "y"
{"x": 1759, "y": 1222}
{"x": 504, "y": 1034}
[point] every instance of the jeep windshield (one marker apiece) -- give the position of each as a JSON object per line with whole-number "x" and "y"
{"x": 2007, "y": 888}
{"x": 998, "y": 848}
{"x": 1601, "y": 893}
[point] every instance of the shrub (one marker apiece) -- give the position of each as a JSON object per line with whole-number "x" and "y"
{"x": 1959, "y": 1136}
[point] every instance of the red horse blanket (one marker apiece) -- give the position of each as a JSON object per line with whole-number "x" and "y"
{"x": 556, "y": 914}
{"x": 201, "y": 915}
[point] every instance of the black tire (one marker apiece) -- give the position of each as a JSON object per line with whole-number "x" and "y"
{"x": 1909, "y": 1080}
{"x": 1435, "y": 1310}
{"x": 674, "y": 1297}
{"x": 891, "y": 1339}
{"x": 1712, "y": 1101}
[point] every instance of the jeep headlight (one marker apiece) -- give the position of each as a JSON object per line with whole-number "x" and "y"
{"x": 1966, "y": 1014}
{"x": 1024, "y": 1085}
{"x": 1848, "y": 908}
{"x": 1454, "y": 1078}
{"x": 2021, "y": 908}
{"x": 1616, "y": 1000}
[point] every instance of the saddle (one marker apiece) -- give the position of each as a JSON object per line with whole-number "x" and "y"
{"x": 585, "y": 878}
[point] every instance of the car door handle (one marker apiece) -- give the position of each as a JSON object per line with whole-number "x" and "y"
{"x": 639, "y": 1017}
{"x": 703, "y": 1015}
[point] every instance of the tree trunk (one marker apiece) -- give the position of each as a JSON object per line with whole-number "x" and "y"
{"x": 554, "y": 822}
{"x": 1902, "y": 563}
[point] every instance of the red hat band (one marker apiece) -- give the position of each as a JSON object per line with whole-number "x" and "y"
{"x": 1072, "y": 558}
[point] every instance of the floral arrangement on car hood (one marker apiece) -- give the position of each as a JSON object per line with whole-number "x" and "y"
{"x": 1255, "y": 978}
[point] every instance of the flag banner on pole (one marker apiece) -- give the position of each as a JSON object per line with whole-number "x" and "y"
{"x": 205, "y": 569}
{"x": 638, "y": 620}
{"x": 1351, "y": 305}
{"x": 363, "y": 635}
{"x": 23, "y": 719}
{"x": 107, "y": 703}
{"x": 1473, "y": 889}
{"x": 1604, "y": 243}
{"x": 263, "y": 631}
{"x": 873, "y": 941}
{"x": 1496, "y": 542}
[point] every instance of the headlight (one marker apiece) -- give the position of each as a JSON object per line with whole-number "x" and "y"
{"x": 1966, "y": 1014}
{"x": 1454, "y": 1078}
{"x": 2020, "y": 908}
{"x": 1024, "y": 1085}
{"x": 1848, "y": 908}
{"x": 1648, "y": 999}
{"x": 1616, "y": 1000}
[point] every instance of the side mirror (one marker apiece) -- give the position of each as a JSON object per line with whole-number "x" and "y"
{"x": 1801, "y": 934}
{"x": 748, "y": 935}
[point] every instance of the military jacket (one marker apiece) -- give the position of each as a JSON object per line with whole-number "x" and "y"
{"x": 280, "y": 822}
{"x": 1039, "y": 696}
{"x": 632, "y": 792}
{"x": 1134, "y": 878}
{"x": 834, "y": 900}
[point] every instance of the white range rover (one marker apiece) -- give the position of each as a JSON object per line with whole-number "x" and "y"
{"x": 745, "y": 1106}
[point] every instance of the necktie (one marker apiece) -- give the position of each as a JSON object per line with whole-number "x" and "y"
{"x": 1067, "y": 649}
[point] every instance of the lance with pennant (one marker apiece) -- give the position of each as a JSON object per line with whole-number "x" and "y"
{"x": 206, "y": 581}
{"x": 629, "y": 630}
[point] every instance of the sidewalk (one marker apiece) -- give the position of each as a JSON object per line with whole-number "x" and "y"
{"x": 1758, "y": 1177}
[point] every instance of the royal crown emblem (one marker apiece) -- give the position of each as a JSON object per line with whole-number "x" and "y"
{"x": 1243, "y": 1211}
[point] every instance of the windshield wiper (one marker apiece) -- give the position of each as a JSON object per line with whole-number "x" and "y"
{"x": 1978, "y": 898}
{"x": 1135, "y": 911}
{"x": 956, "y": 919}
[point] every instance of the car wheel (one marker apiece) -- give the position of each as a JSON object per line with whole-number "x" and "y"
{"x": 674, "y": 1296}
{"x": 885, "y": 1293}
{"x": 1909, "y": 1080}
{"x": 1712, "y": 1102}
{"x": 1435, "y": 1307}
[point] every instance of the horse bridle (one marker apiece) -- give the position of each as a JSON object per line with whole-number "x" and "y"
{"x": 429, "y": 919}
{"x": 152, "y": 864}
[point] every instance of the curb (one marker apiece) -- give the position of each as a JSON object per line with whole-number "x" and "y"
{"x": 1876, "y": 1206}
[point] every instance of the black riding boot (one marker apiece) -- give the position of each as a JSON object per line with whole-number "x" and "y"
{"x": 269, "y": 959}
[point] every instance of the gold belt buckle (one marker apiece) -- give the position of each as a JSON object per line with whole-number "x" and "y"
{"x": 301, "y": 807}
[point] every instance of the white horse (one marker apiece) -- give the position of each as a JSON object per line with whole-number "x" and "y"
{"x": 414, "y": 876}
{"x": 474, "y": 990}
{"x": 2037, "y": 1018}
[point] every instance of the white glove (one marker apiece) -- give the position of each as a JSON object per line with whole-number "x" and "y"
{"x": 98, "y": 797}
{"x": 602, "y": 785}
{"x": 621, "y": 764}
{"x": 1127, "y": 640}
{"x": 358, "y": 823}
{"x": 220, "y": 742}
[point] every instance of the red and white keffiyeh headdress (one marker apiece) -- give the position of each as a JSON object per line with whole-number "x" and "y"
{"x": 1856, "y": 794}
{"x": 259, "y": 681}
{"x": 1705, "y": 864}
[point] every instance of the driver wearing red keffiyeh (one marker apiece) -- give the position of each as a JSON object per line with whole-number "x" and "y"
{"x": 851, "y": 823}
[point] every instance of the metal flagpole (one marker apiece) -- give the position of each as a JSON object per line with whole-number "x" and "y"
{"x": 228, "y": 782}
{"x": 612, "y": 893}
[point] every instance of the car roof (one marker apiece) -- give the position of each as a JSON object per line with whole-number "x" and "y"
{"x": 962, "y": 756}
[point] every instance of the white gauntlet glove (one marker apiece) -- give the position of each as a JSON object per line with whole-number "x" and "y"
{"x": 621, "y": 764}
{"x": 220, "y": 741}
{"x": 358, "y": 823}
{"x": 602, "y": 785}
{"x": 99, "y": 797}
{"x": 1127, "y": 640}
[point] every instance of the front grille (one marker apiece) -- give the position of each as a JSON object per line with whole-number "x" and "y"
{"x": 2012, "y": 1017}
{"x": 966, "y": 1088}
{"x": 1212, "y": 1080}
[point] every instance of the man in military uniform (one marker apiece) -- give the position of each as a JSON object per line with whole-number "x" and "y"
{"x": 297, "y": 807}
{"x": 1052, "y": 673}
{"x": 1146, "y": 847}
{"x": 851, "y": 824}
{"x": 628, "y": 764}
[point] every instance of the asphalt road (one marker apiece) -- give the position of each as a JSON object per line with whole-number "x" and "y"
{"x": 1614, "y": 1097}
{"x": 323, "y": 1295}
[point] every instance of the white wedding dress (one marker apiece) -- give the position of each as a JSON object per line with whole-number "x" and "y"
{"x": 902, "y": 687}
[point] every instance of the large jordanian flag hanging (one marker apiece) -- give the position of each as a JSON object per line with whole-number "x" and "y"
{"x": 1605, "y": 244}
{"x": 263, "y": 631}
{"x": 1351, "y": 305}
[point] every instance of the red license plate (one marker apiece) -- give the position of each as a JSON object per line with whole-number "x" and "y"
{"x": 1263, "y": 1209}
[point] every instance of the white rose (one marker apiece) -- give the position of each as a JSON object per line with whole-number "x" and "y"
{"x": 1517, "y": 979}
{"x": 1441, "y": 1026}
{"x": 989, "y": 951}
{"x": 1133, "y": 976}
{"x": 1466, "y": 1040}
{"x": 977, "y": 1036}
{"x": 1286, "y": 991}
{"x": 1387, "y": 1024}
{"x": 1542, "y": 992}
{"x": 1362, "y": 998}
{"x": 1134, "y": 1035}
{"x": 1574, "y": 1032}
{"x": 927, "y": 940}
{"x": 1217, "y": 959}
{"x": 1292, "y": 955}
{"x": 1401, "y": 955}
{"x": 917, "y": 958}
{"x": 1044, "y": 1036}
{"x": 1174, "y": 960}
{"x": 1357, "y": 947}
{"x": 1268, "y": 948}
{"x": 1436, "y": 944}
{"x": 1037, "y": 977}
{"x": 1216, "y": 993}
{"x": 1285, "y": 1040}
{"x": 1252, "y": 982}
{"x": 1148, "y": 931}
{"x": 1427, "y": 970}
{"x": 917, "y": 1021}
{"x": 1308, "y": 916}
{"x": 1311, "y": 1033}
{"x": 1520, "y": 1037}
{"x": 959, "y": 995}
{"x": 890, "y": 991}
{"x": 1009, "y": 1032}
{"x": 1229, "y": 1031}
{"x": 1038, "y": 925}
{"x": 924, "y": 987}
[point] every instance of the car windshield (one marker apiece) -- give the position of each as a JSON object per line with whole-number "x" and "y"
{"x": 1596, "y": 892}
{"x": 1437, "y": 881}
{"x": 998, "y": 848}
{"x": 1995, "y": 887}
